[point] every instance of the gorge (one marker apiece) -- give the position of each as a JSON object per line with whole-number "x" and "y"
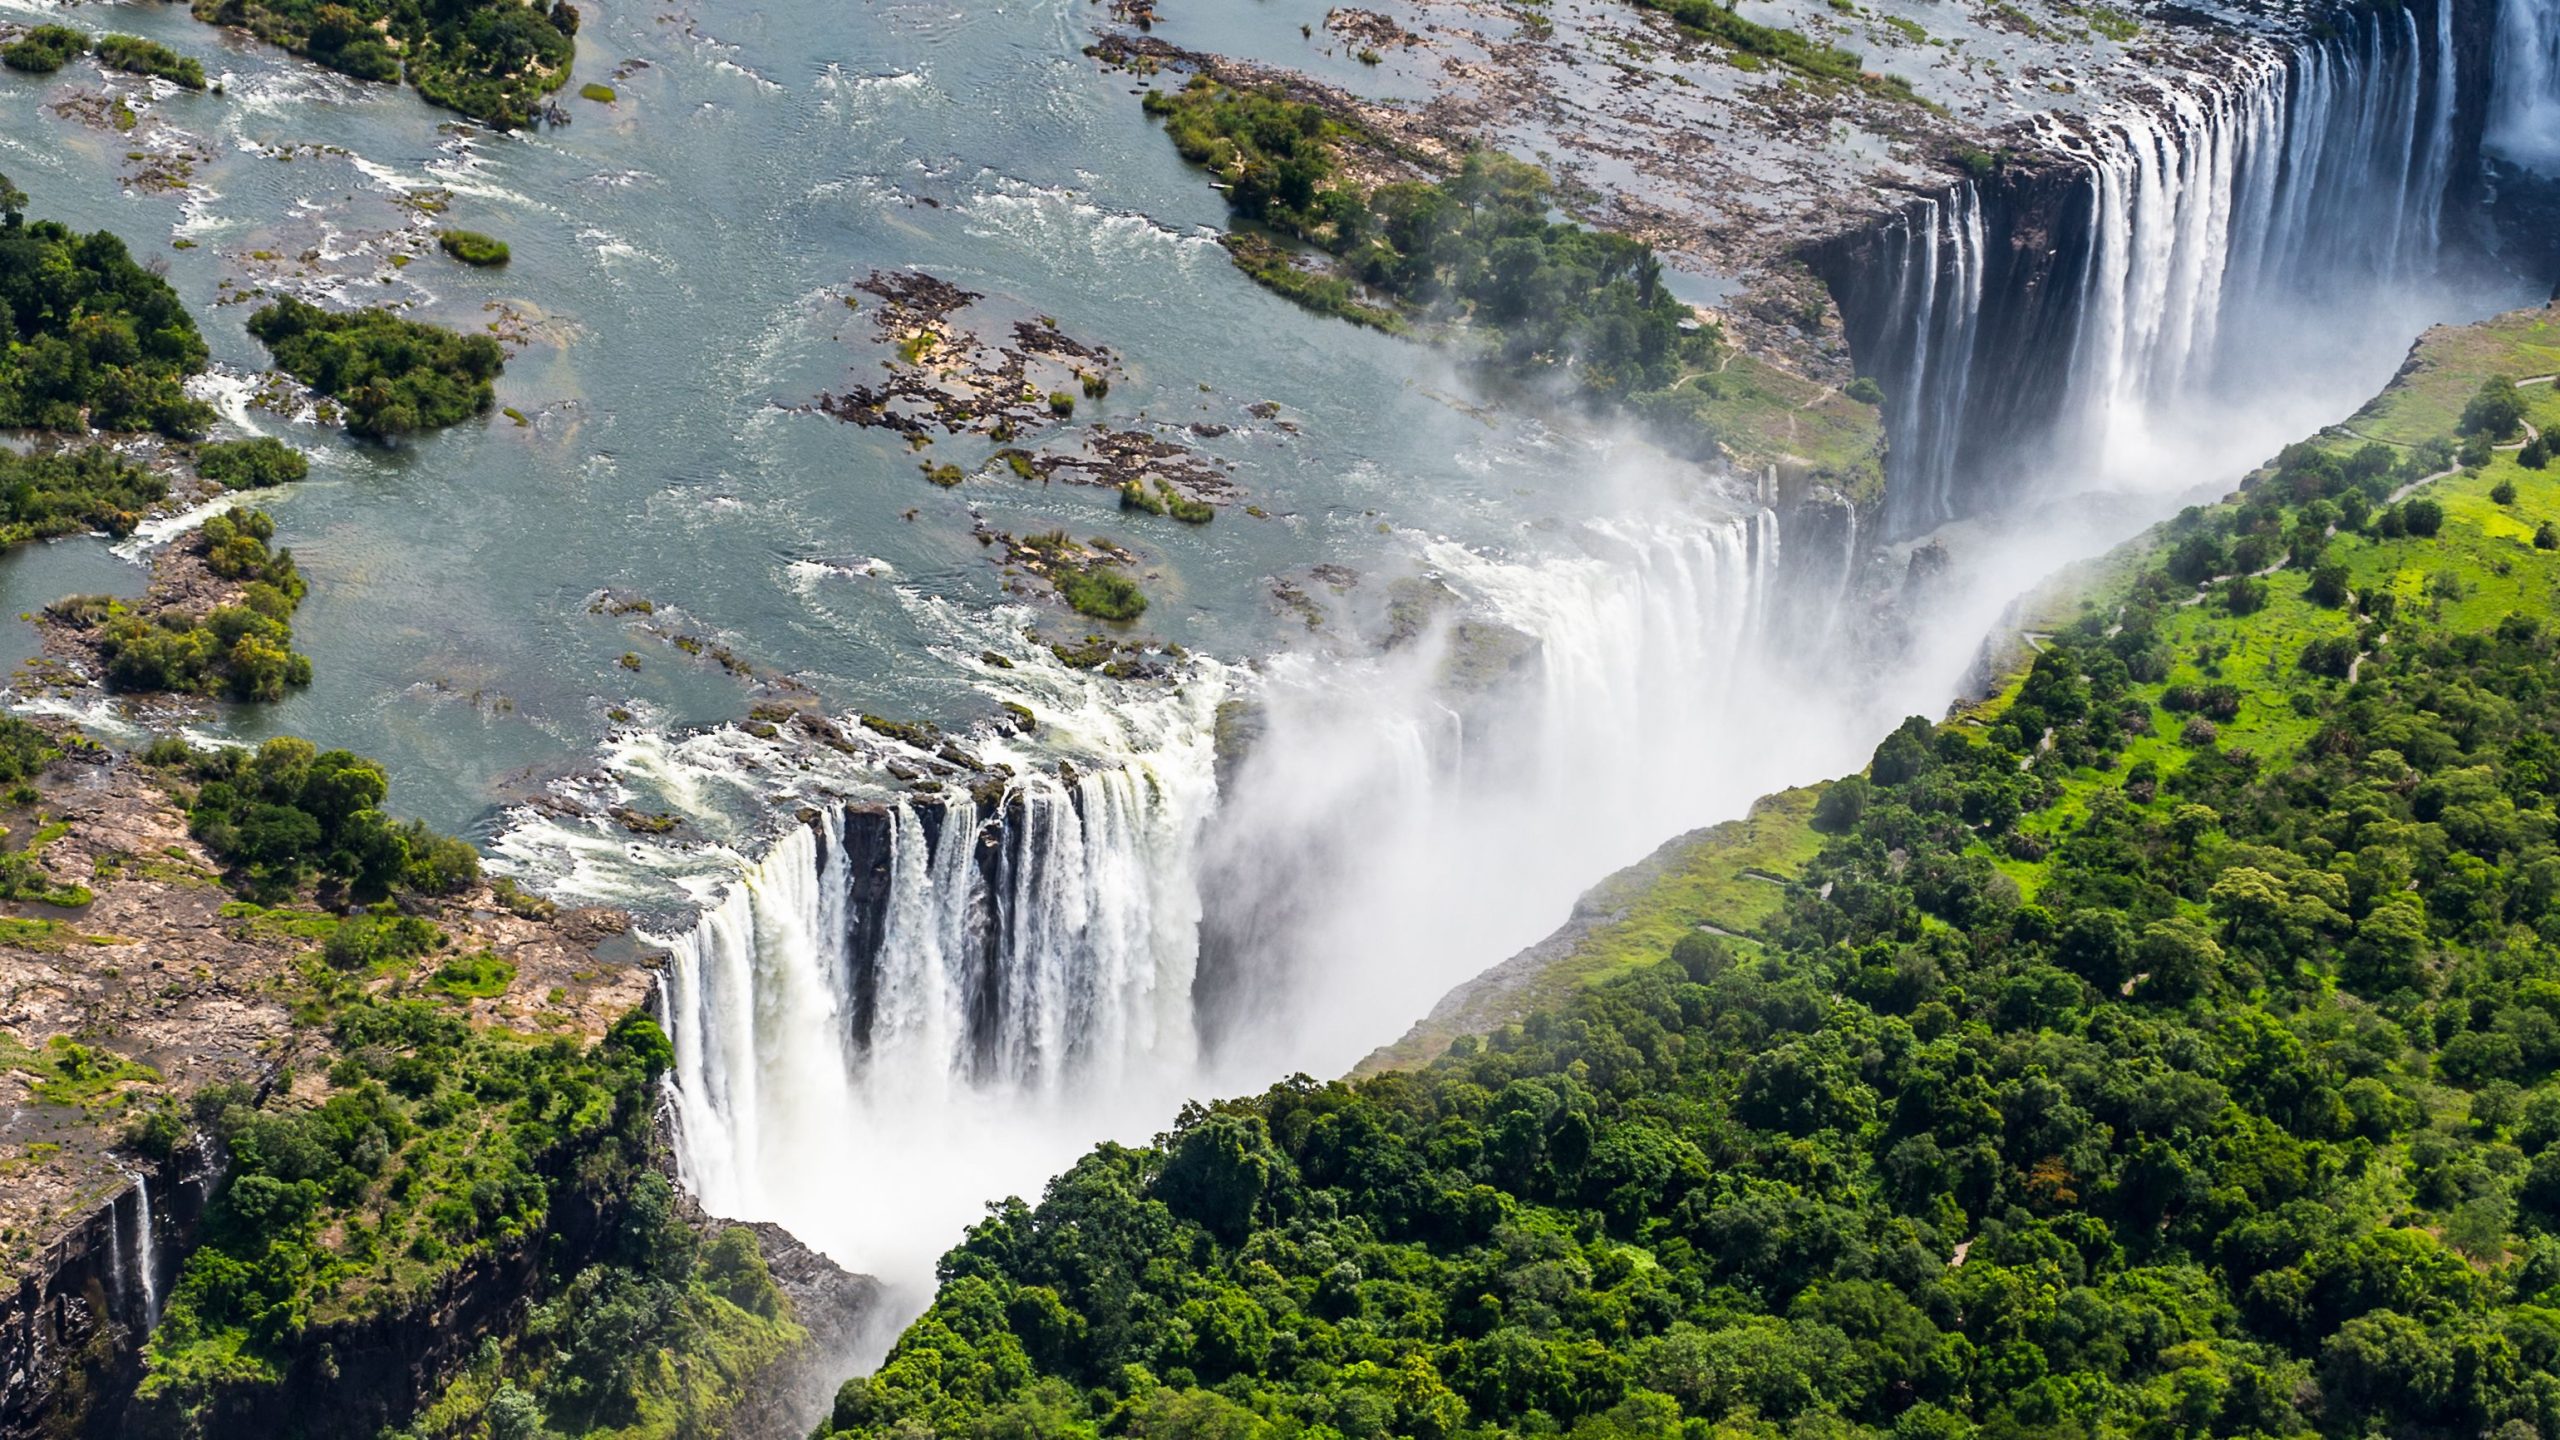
{"x": 2134, "y": 303}
{"x": 979, "y": 881}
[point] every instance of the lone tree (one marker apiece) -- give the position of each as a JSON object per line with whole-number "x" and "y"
{"x": 2496, "y": 411}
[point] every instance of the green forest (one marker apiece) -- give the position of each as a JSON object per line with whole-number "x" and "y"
{"x": 2158, "y": 1048}
{"x": 88, "y": 338}
{"x": 496, "y": 61}
{"x": 391, "y": 376}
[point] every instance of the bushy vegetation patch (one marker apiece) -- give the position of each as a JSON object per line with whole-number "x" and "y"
{"x": 150, "y": 57}
{"x": 88, "y": 337}
{"x": 1755, "y": 44}
{"x": 436, "y": 1144}
{"x": 661, "y": 1338}
{"x": 493, "y": 60}
{"x": 251, "y": 464}
{"x": 45, "y": 49}
{"x": 391, "y": 376}
{"x": 286, "y": 815}
{"x": 473, "y": 248}
{"x": 66, "y": 492}
{"x": 243, "y": 649}
{"x": 1477, "y": 251}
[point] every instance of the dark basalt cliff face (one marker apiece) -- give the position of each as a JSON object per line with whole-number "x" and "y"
{"x": 71, "y": 1334}
{"x": 1967, "y": 305}
{"x": 1897, "y": 285}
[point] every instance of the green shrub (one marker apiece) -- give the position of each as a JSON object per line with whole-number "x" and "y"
{"x": 251, "y": 464}
{"x": 287, "y": 812}
{"x": 372, "y": 943}
{"x": 150, "y": 57}
{"x": 2496, "y": 411}
{"x": 64, "y": 493}
{"x": 472, "y": 248}
{"x": 96, "y": 340}
{"x": 392, "y": 377}
{"x": 45, "y": 49}
{"x": 1103, "y": 593}
{"x": 481, "y": 975}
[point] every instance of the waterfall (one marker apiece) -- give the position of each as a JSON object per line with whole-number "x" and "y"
{"x": 937, "y": 974}
{"x": 1936, "y": 251}
{"x": 908, "y": 1005}
{"x": 2524, "y": 101}
{"x": 146, "y": 1251}
{"x": 2212, "y": 217}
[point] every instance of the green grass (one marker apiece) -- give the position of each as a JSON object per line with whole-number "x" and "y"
{"x": 1761, "y": 415}
{"x": 47, "y": 937}
{"x": 2446, "y": 368}
{"x": 601, "y": 94}
{"x": 473, "y": 248}
{"x": 282, "y": 922}
{"x": 482, "y": 975}
{"x": 66, "y": 1072}
{"x": 1727, "y": 878}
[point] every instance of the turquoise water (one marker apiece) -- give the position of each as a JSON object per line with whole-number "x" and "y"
{"x": 678, "y": 259}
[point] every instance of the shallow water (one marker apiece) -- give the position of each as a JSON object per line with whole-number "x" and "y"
{"x": 682, "y": 254}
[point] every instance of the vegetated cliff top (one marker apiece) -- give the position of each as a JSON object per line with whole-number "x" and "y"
{"x": 132, "y": 980}
{"x": 1729, "y": 880}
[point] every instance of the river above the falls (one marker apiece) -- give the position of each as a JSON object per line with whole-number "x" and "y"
{"x": 680, "y": 262}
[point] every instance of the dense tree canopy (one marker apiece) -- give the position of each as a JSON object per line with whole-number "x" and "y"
{"x": 2098, "y": 1077}
{"x": 89, "y": 338}
{"x": 393, "y": 376}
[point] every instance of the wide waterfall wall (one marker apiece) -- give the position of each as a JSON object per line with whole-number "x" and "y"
{"x": 886, "y": 962}
{"x": 901, "y": 1010}
{"x": 2030, "y": 327}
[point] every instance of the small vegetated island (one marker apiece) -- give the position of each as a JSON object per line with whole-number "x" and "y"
{"x": 138, "y": 56}
{"x": 473, "y": 248}
{"x": 231, "y": 633}
{"x": 91, "y": 338}
{"x": 45, "y": 49}
{"x": 391, "y": 376}
{"x": 1476, "y": 260}
{"x": 2164, "y": 1045}
{"x": 496, "y": 61}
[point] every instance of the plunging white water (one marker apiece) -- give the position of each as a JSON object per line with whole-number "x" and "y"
{"x": 146, "y": 1251}
{"x": 2237, "y": 261}
{"x": 906, "y": 1008}
{"x": 2524, "y": 106}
